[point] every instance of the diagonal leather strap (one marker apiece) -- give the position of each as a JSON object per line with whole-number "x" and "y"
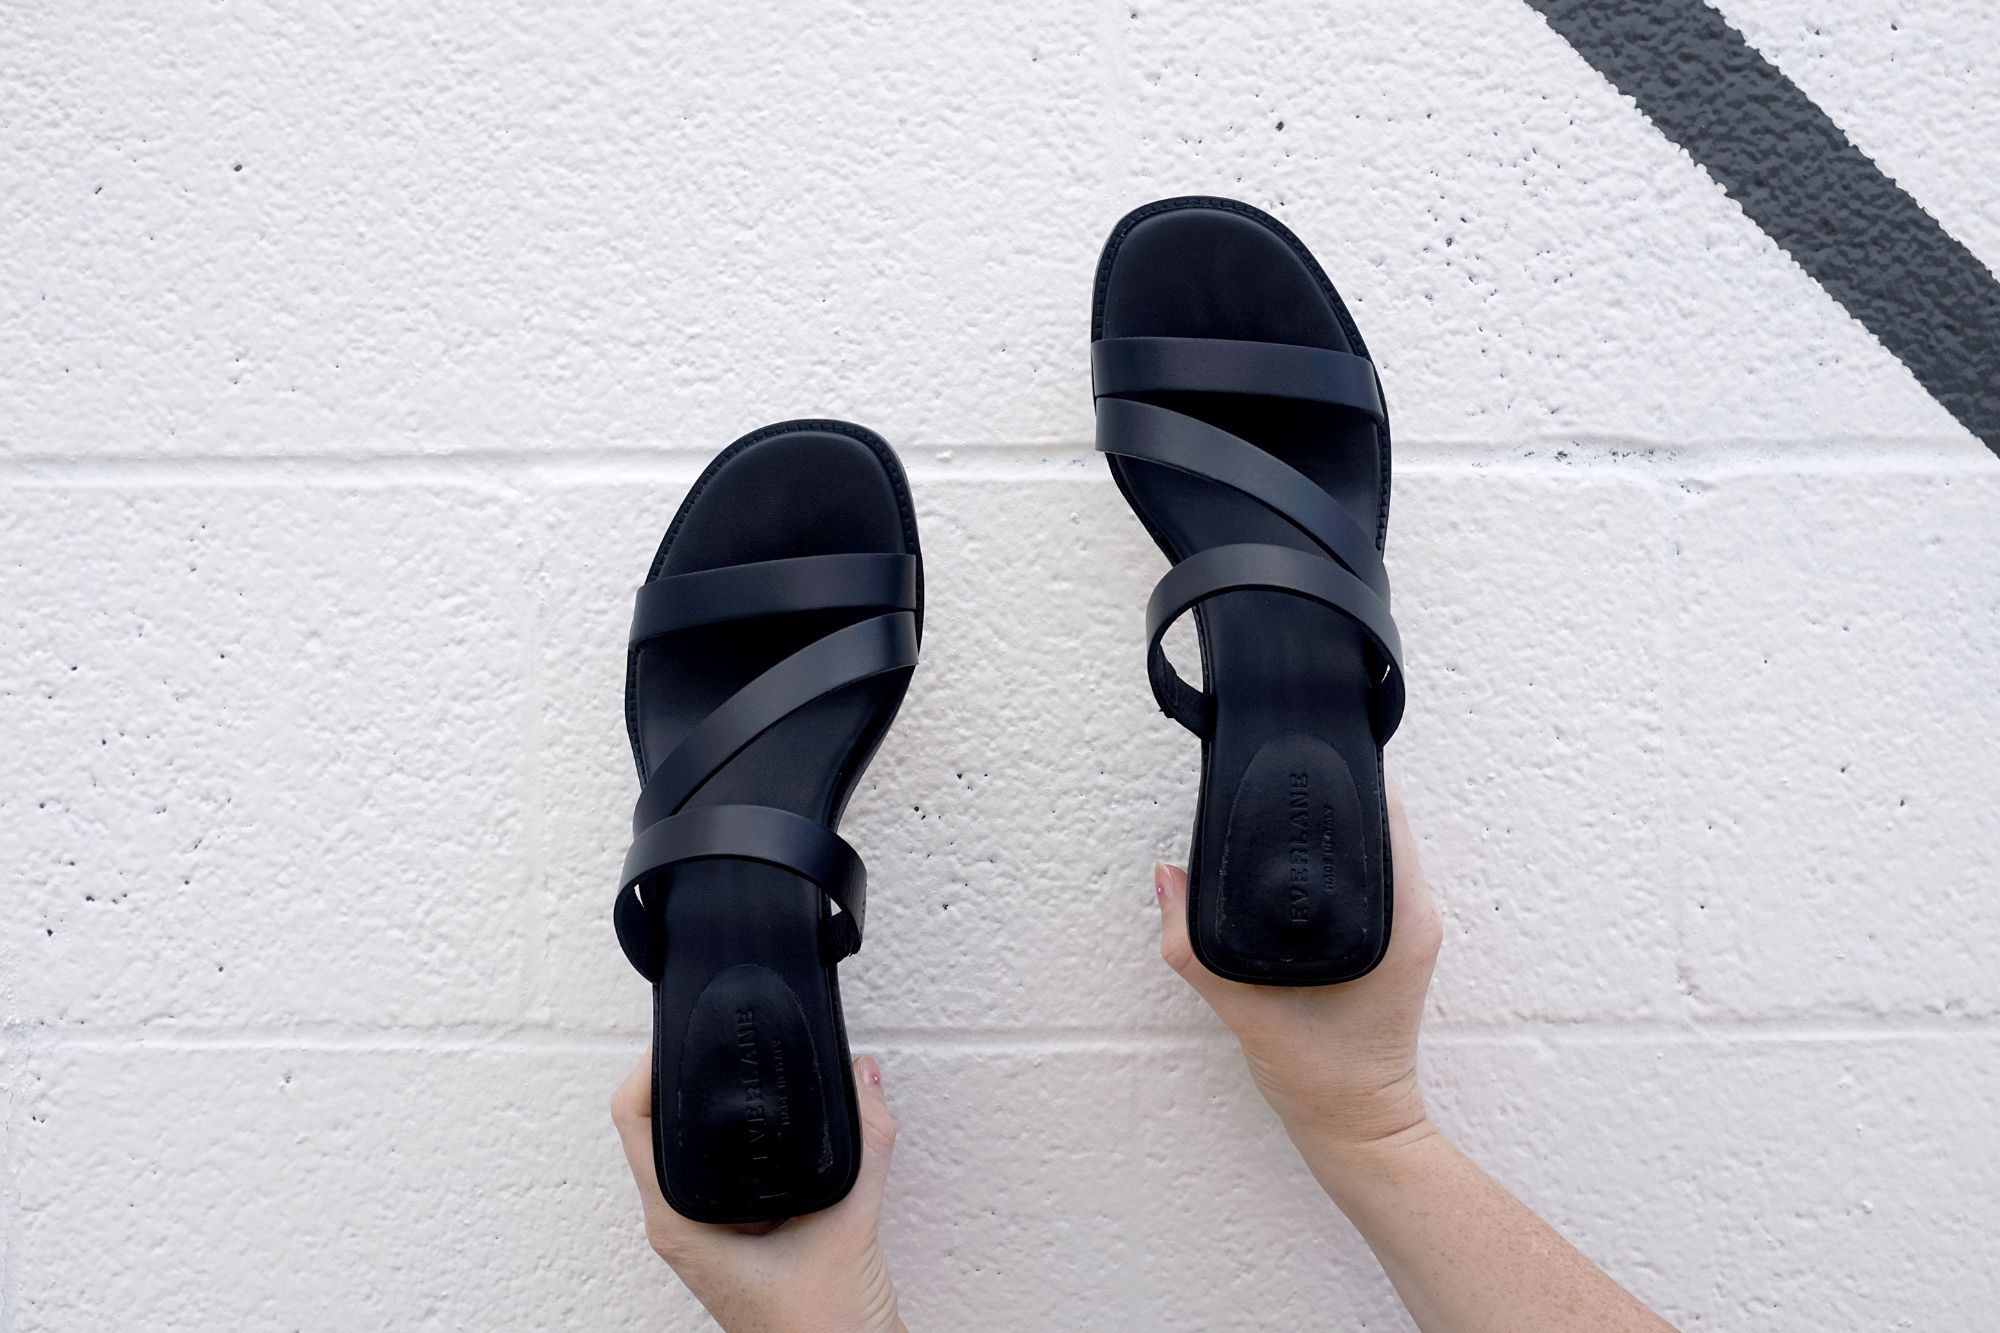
{"x": 867, "y": 648}
{"x": 739, "y": 832}
{"x": 1229, "y": 365}
{"x": 1221, "y": 569}
{"x": 1130, "y": 429}
{"x": 850, "y": 582}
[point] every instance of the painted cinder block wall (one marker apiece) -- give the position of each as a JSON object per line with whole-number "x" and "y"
{"x": 355, "y": 358}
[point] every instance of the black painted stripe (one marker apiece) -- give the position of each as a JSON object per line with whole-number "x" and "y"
{"x": 1874, "y": 249}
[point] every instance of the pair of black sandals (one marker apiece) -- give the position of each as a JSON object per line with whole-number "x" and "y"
{"x": 779, "y": 626}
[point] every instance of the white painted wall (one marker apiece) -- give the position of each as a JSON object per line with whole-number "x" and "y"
{"x": 324, "y": 483}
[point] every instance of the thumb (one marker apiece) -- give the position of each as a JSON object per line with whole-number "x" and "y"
{"x": 878, "y": 1134}
{"x": 1170, "y": 886}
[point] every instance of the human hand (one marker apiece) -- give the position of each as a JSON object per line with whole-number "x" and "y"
{"x": 1337, "y": 1063}
{"x": 823, "y": 1273}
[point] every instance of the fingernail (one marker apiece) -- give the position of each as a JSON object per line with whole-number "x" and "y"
{"x": 1160, "y": 881}
{"x": 871, "y": 1071}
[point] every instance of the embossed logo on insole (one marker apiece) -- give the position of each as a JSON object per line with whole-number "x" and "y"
{"x": 1298, "y": 887}
{"x": 1292, "y": 880}
{"x": 760, "y": 1072}
{"x": 750, "y": 1076}
{"x": 1329, "y": 848}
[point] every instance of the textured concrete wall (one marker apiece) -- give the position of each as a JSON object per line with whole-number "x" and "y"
{"x": 355, "y": 358}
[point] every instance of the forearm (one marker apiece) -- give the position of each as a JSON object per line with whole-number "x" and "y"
{"x": 1465, "y": 1255}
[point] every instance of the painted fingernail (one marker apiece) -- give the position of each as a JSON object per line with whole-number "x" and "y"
{"x": 1159, "y": 881}
{"x": 871, "y": 1071}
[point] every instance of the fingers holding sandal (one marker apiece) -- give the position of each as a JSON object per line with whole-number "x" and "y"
{"x": 1414, "y": 937}
{"x": 822, "y": 1270}
{"x": 1170, "y": 887}
{"x": 632, "y": 1113}
{"x": 1419, "y": 927}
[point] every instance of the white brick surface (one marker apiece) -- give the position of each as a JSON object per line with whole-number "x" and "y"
{"x": 445, "y": 1187}
{"x": 270, "y": 754}
{"x": 1835, "y": 733}
{"x": 324, "y": 485}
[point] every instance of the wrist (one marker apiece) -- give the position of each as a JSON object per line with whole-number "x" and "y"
{"x": 871, "y": 1315}
{"x": 1339, "y": 1123}
{"x": 1351, "y": 1166}
{"x": 852, "y": 1294}
{"x": 870, "y": 1306}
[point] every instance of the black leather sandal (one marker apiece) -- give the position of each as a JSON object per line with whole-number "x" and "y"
{"x": 1245, "y": 426}
{"x": 771, "y": 647}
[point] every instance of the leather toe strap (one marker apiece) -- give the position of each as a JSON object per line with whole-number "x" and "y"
{"x": 853, "y": 582}
{"x": 1233, "y": 365}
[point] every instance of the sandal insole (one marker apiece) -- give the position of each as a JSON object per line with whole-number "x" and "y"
{"x": 1289, "y": 874}
{"x": 754, "y": 1111}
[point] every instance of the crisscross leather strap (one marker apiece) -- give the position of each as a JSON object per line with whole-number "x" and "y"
{"x": 860, "y": 581}
{"x": 740, "y": 832}
{"x": 867, "y": 648}
{"x": 1349, "y": 578}
{"x": 1229, "y": 365}
{"x": 664, "y": 835}
{"x": 1257, "y": 567}
{"x": 1172, "y": 439}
